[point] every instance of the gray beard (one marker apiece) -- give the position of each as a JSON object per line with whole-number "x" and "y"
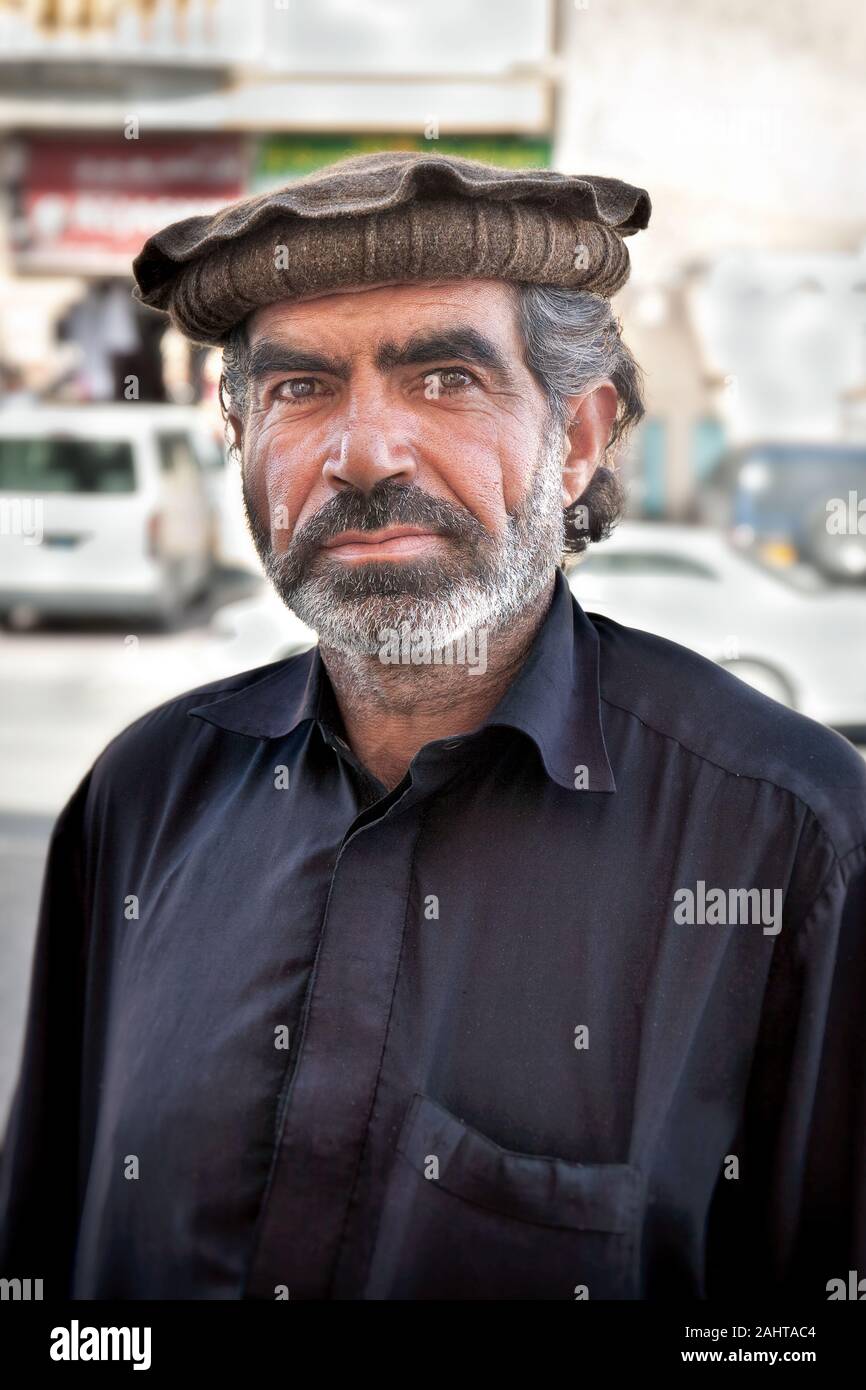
{"x": 480, "y": 582}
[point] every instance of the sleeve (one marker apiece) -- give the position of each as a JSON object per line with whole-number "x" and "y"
{"x": 39, "y": 1167}
{"x": 794, "y": 1223}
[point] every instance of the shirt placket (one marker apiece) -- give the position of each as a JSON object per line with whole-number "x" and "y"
{"x": 327, "y": 1108}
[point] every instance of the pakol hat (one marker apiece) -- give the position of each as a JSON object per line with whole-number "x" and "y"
{"x": 385, "y": 219}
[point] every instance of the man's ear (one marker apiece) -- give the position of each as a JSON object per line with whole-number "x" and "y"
{"x": 592, "y": 416}
{"x": 235, "y": 431}
{"x": 233, "y": 424}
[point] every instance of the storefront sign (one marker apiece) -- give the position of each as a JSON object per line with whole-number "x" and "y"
{"x": 283, "y": 157}
{"x": 88, "y": 205}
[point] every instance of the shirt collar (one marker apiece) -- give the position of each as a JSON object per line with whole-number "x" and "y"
{"x": 554, "y": 698}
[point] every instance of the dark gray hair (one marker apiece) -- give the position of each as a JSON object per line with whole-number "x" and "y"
{"x": 572, "y": 341}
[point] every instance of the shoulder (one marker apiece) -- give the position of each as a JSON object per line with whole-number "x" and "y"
{"x": 678, "y": 695}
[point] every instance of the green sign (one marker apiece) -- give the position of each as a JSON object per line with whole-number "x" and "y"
{"x": 283, "y": 157}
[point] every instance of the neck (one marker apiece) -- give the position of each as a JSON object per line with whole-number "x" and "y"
{"x": 390, "y": 711}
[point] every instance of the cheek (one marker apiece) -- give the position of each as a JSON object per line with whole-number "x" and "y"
{"x": 476, "y": 461}
{"x": 486, "y": 467}
{"x": 281, "y": 470}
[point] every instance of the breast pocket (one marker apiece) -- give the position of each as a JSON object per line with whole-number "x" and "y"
{"x": 465, "y": 1219}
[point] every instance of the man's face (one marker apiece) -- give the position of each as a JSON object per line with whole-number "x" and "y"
{"x": 404, "y": 414}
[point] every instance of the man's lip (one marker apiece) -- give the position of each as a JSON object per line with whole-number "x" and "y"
{"x": 373, "y": 538}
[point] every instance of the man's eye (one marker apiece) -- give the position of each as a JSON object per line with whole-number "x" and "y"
{"x": 298, "y": 388}
{"x": 446, "y": 381}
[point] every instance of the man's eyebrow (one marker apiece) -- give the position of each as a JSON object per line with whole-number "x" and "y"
{"x": 464, "y": 343}
{"x": 268, "y": 356}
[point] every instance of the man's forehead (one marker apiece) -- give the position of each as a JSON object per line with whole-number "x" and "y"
{"x": 400, "y": 307}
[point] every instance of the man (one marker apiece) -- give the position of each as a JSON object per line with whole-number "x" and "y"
{"x": 488, "y": 950}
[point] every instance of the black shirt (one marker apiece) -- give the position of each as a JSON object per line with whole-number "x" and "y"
{"x": 518, "y": 1065}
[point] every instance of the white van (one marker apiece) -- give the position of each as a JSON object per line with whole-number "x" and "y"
{"x": 104, "y": 509}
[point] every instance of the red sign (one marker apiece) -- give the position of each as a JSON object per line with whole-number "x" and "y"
{"x": 90, "y": 204}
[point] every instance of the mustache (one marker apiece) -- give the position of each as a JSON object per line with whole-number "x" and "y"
{"x": 386, "y": 504}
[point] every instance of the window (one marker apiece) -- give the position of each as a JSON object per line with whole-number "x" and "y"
{"x": 176, "y": 454}
{"x": 55, "y": 464}
{"x": 209, "y": 450}
{"x": 650, "y": 563}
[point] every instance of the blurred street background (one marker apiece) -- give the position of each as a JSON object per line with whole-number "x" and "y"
{"x": 126, "y": 575}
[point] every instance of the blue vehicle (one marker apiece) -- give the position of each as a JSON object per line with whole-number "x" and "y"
{"x": 794, "y": 504}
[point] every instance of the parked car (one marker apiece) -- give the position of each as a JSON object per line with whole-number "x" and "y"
{"x": 773, "y": 499}
{"x": 234, "y": 544}
{"x": 792, "y": 635}
{"x": 104, "y": 509}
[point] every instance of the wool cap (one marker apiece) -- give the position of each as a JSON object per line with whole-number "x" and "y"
{"x": 388, "y": 218}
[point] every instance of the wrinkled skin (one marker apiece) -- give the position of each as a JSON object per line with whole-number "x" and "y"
{"x": 410, "y": 405}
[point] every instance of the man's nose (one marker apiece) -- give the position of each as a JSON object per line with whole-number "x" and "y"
{"x": 369, "y": 450}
